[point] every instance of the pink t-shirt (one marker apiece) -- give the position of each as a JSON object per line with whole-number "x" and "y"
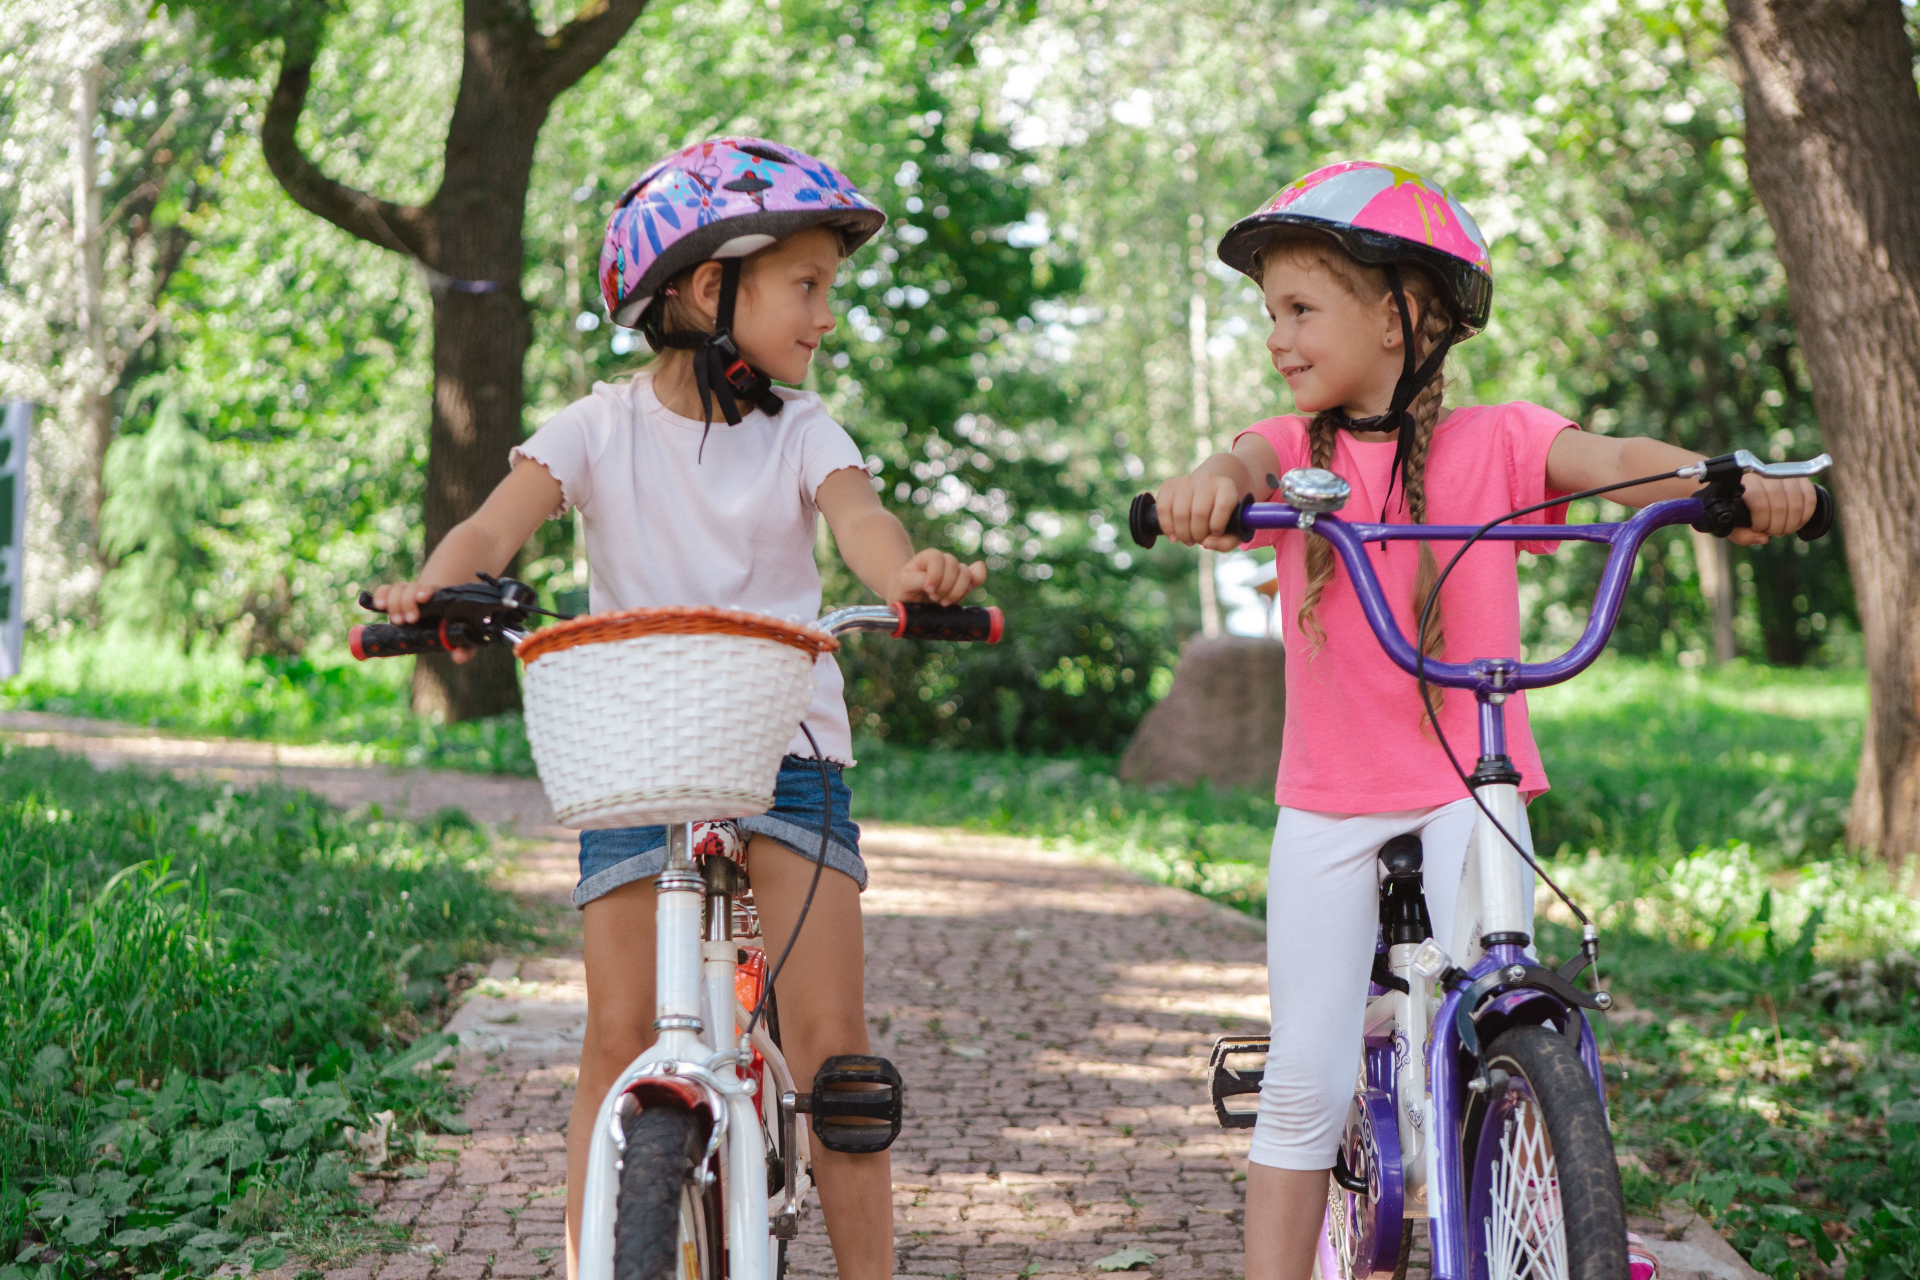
{"x": 1354, "y": 741}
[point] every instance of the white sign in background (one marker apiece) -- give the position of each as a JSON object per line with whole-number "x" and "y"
{"x": 13, "y": 528}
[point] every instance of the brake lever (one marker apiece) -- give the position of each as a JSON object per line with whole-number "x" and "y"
{"x": 502, "y": 602}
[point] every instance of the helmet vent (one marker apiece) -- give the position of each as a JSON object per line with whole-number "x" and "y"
{"x": 759, "y": 152}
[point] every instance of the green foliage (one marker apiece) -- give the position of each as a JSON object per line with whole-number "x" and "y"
{"x": 161, "y": 486}
{"x": 1648, "y": 760}
{"x": 202, "y": 987}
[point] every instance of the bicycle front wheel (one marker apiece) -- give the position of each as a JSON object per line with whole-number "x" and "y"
{"x": 1543, "y": 1196}
{"x": 669, "y": 1226}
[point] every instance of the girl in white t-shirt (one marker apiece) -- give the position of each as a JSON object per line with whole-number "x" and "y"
{"x": 723, "y": 256}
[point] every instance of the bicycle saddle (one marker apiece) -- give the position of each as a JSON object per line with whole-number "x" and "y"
{"x": 1403, "y": 901}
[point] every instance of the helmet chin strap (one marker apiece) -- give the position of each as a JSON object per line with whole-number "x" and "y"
{"x": 1405, "y": 391}
{"x": 720, "y": 372}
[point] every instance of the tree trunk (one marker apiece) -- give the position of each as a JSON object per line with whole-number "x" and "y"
{"x": 1713, "y": 561}
{"x": 468, "y": 238}
{"x": 96, "y": 396}
{"x": 481, "y": 330}
{"x": 1833, "y": 146}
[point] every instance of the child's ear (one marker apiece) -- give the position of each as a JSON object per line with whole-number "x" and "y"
{"x": 703, "y": 291}
{"x": 1394, "y": 335}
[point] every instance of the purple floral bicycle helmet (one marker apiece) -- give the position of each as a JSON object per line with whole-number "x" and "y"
{"x": 720, "y": 199}
{"x": 1384, "y": 216}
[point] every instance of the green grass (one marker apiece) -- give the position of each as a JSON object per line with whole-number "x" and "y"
{"x": 200, "y": 989}
{"x": 212, "y": 689}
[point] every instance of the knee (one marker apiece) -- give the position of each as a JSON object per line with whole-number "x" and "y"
{"x": 825, "y": 1038}
{"x": 611, "y": 1044}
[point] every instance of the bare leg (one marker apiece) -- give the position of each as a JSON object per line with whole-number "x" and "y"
{"x": 620, "y": 957}
{"x": 1285, "y": 1210}
{"x": 822, "y": 995}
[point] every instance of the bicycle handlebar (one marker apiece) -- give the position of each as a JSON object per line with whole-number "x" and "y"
{"x": 473, "y": 616}
{"x": 1143, "y": 522}
{"x": 1492, "y": 675}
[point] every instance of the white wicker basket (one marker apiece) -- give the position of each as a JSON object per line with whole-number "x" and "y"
{"x": 665, "y": 715}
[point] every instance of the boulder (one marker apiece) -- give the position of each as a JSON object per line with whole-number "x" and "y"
{"x": 1221, "y": 721}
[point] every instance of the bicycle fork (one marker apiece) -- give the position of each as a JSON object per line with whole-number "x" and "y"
{"x": 694, "y": 1063}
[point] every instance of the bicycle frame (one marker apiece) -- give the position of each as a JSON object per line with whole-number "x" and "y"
{"x": 701, "y": 1061}
{"x": 698, "y": 1060}
{"x": 1428, "y": 1091}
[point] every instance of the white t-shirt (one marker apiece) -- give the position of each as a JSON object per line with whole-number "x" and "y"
{"x": 732, "y": 527}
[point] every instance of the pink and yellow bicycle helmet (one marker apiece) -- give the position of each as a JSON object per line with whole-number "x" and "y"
{"x": 1381, "y": 215}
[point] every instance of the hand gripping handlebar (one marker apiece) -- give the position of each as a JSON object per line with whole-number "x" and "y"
{"x": 1723, "y": 509}
{"x": 1718, "y": 509}
{"x": 474, "y": 614}
{"x": 496, "y": 611}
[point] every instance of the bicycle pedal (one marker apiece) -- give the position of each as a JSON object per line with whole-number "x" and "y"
{"x": 1234, "y": 1071}
{"x": 849, "y": 1089}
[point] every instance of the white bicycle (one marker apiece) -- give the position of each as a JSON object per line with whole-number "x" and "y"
{"x": 699, "y": 1167}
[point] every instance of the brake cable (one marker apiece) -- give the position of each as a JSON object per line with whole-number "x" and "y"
{"x": 819, "y": 864}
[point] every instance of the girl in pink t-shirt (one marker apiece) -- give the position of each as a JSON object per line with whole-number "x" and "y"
{"x": 1370, "y": 273}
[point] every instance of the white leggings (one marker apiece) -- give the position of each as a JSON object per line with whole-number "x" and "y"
{"x": 1323, "y": 912}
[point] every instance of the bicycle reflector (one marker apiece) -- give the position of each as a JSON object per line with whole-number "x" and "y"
{"x": 856, "y": 1104}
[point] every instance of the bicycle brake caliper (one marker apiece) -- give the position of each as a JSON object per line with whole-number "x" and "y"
{"x": 856, "y": 1103}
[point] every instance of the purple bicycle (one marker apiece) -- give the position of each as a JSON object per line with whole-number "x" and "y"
{"x": 1480, "y": 1104}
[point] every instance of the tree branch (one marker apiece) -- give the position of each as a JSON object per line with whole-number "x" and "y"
{"x": 578, "y": 47}
{"x": 401, "y": 228}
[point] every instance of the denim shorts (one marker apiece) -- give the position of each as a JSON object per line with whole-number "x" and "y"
{"x": 621, "y": 855}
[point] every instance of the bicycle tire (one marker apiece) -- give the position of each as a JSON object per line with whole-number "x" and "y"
{"x": 1543, "y": 1195}
{"x": 667, "y": 1226}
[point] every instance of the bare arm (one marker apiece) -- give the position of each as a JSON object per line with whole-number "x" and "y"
{"x": 1577, "y": 460}
{"x": 876, "y": 547}
{"x": 485, "y": 542}
{"x": 1195, "y": 508}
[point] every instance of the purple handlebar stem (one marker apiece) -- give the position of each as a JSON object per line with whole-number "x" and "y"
{"x": 1498, "y": 675}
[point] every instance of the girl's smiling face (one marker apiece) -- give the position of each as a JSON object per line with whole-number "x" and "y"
{"x": 1335, "y": 350}
{"x": 784, "y": 306}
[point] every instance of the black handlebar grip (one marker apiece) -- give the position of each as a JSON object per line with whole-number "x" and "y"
{"x": 1143, "y": 520}
{"x": 948, "y": 622}
{"x": 1820, "y": 523}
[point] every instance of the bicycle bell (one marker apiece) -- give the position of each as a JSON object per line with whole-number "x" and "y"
{"x": 1314, "y": 491}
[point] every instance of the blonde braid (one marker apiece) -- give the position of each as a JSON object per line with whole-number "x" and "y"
{"x": 1321, "y": 435}
{"x": 1434, "y": 325}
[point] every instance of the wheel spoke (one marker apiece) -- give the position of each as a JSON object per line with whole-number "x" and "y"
{"x": 1526, "y": 1227}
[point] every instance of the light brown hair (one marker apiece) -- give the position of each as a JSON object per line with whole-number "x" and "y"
{"x": 1369, "y": 284}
